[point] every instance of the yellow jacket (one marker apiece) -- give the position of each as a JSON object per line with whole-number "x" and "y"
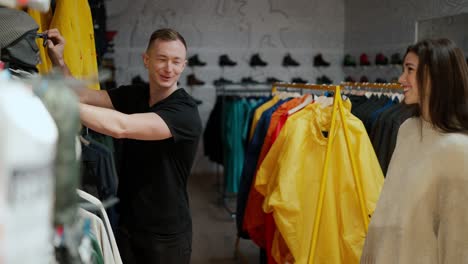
{"x": 290, "y": 175}
{"x": 74, "y": 21}
{"x": 258, "y": 114}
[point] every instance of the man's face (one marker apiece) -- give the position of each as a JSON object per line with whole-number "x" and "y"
{"x": 165, "y": 61}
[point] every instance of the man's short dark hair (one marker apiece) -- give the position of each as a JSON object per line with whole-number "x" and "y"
{"x": 166, "y": 34}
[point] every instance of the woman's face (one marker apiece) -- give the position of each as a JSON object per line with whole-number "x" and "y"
{"x": 408, "y": 78}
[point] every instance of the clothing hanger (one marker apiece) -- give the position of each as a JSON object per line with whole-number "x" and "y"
{"x": 286, "y": 94}
{"x": 98, "y": 204}
{"x": 308, "y": 98}
{"x": 91, "y": 207}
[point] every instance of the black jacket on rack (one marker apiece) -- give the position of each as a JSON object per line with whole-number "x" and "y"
{"x": 212, "y": 138}
{"x": 385, "y": 131}
{"x": 98, "y": 169}
{"x": 98, "y": 173}
{"x": 382, "y": 117}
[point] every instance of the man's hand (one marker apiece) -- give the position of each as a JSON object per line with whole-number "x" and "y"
{"x": 55, "y": 46}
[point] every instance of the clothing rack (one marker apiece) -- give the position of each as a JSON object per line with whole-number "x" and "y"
{"x": 326, "y": 87}
{"x": 279, "y": 86}
{"x": 223, "y": 90}
{"x": 390, "y": 86}
{"x": 338, "y": 103}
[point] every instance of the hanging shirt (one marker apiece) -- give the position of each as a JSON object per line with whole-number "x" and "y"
{"x": 258, "y": 113}
{"x": 278, "y": 250}
{"x": 234, "y": 116}
{"x": 421, "y": 216}
{"x": 295, "y": 163}
{"x": 255, "y": 227}
{"x": 255, "y": 104}
{"x": 250, "y": 164}
{"x": 78, "y": 31}
{"x": 254, "y": 217}
{"x": 98, "y": 169}
{"x": 385, "y": 131}
{"x": 212, "y": 137}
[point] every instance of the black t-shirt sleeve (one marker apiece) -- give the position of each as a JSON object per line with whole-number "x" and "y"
{"x": 127, "y": 99}
{"x": 182, "y": 118}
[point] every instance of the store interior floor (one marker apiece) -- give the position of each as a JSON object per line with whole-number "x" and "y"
{"x": 214, "y": 230}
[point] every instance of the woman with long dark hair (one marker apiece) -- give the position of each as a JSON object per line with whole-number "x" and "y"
{"x": 422, "y": 213}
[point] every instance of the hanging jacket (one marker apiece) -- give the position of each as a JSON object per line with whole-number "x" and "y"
{"x": 291, "y": 174}
{"x": 251, "y": 156}
{"x": 254, "y": 217}
{"x": 258, "y": 113}
{"x": 78, "y": 31}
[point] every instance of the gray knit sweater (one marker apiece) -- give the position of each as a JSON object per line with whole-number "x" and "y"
{"x": 422, "y": 213}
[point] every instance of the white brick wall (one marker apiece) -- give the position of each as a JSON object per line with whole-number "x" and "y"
{"x": 272, "y": 28}
{"x": 388, "y": 26}
{"x": 238, "y": 28}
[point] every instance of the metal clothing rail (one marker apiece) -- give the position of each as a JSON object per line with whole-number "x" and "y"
{"x": 275, "y": 86}
{"x": 326, "y": 87}
{"x": 393, "y": 86}
{"x": 224, "y": 91}
{"x": 238, "y": 88}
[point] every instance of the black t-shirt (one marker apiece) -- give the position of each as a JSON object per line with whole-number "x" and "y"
{"x": 153, "y": 175}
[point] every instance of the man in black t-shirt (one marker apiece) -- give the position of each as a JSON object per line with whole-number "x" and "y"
{"x": 161, "y": 127}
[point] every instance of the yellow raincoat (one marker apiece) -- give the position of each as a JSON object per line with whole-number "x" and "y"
{"x": 290, "y": 178}
{"x": 74, "y": 21}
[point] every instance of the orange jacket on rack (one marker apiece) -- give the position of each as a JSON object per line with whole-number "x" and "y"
{"x": 254, "y": 217}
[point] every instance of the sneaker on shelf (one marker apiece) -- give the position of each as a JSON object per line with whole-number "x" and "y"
{"x": 192, "y": 80}
{"x": 224, "y": 61}
{"x": 272, "y": 80}
{"x": 320, "y": 62}
{"x": 396, "y": 59}
{"x": 298, "y": 80}
{"x": 364, "y": 79}
{"x": 380, "y": 59}
{"x": 256, "y": 61}
{"x": 194, "y": 61}
{"x": 364, "y": 60}
{"x": 249, "y": 80}
{"x": 324, "y": 80}
{"x": 380, "y": 80}
{"x": 288, "y": 61}
{"x": 221, "y": 81}
{"x": 349, "y": 61}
